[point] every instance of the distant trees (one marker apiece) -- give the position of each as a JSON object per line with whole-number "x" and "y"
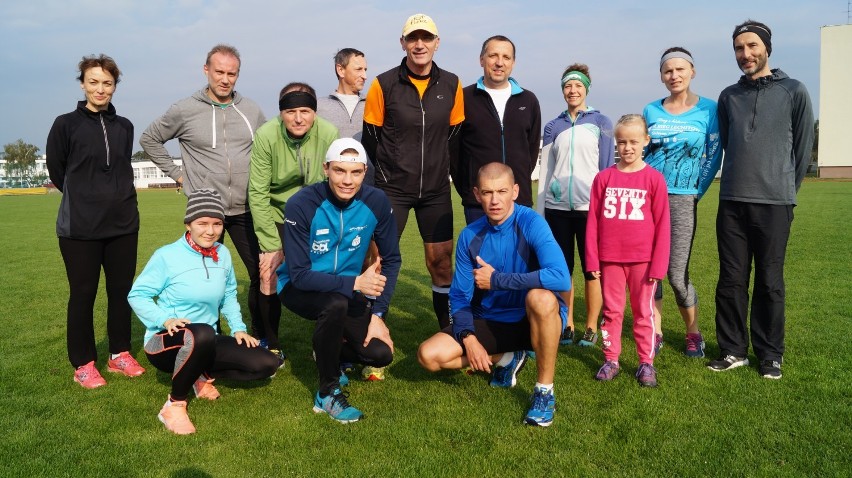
{"x": 140, "y": 155}
{"x": 20, "y": 159}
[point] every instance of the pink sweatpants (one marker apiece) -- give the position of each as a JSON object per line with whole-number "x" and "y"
{"x": 615, "y": 277}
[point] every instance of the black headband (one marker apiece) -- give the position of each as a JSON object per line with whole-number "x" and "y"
{"x": 760, "y": 31}
{"x": 297, "y": 99}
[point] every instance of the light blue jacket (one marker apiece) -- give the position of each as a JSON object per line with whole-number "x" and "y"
{"x": 186, "y": 285}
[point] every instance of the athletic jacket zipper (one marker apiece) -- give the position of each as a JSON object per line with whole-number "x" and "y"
{"x": 502, "y": 129}
{"x": 106, "y": 139}
{"x": 339, "y": 241}
{"x": 227, "y": 154}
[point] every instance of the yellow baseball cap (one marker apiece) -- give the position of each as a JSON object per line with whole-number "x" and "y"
{"x": 419, "y": 21}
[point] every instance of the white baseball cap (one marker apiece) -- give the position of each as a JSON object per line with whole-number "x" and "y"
{"x": 338, "y": 146}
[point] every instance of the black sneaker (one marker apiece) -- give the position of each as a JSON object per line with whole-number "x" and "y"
{"x": 567, "y": 337}
{"x": 727, "y": 362}
{"x": 770, "y": 369}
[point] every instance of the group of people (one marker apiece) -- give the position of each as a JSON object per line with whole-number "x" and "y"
{"x": 316, "y": 199}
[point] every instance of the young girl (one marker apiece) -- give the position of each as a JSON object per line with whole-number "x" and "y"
{"x": 193, "y": 281}
{"x": 627, "y": 244}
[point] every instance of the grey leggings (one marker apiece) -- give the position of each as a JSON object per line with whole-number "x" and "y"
{"x": 682, "y": 208}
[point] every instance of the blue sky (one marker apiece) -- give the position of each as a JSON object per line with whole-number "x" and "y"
{"x": 160, "y": 47}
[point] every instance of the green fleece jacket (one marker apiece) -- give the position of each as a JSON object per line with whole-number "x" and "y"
{"x": 280, "y": 166}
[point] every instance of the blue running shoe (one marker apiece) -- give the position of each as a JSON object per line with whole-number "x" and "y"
{"x": 337, "y": 407}
{"x": 542, "y": 407}
{"x": 567, "y": 337}
{"x": 531, "y": 354}
{"x": 507, "y": 377}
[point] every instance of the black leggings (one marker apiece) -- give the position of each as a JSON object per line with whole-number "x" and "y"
{"x": 83, "y": 262}
{"x": 196, "y": 349}
{"x": 341, "y": 326}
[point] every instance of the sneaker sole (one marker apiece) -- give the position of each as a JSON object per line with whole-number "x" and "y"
{"x": 118, "y": 370}
{"x": 317, "y": 409}
{"x": 741, "y": 363}
{"x": 87, "y": 387}
{"x": 535, "y": 423}
{"x": 771, "y": 377}
{"x": 584, "y": 343}
{"x": 163, "y": 421}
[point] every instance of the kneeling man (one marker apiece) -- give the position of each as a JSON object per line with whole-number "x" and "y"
{"x": 327, "y": 231}
{"x": 504, "y": 296}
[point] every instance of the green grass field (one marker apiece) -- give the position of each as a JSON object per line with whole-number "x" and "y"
{"x": 697, "y": 423}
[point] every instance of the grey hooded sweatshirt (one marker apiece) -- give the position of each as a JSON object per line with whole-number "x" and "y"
{"x": 215, "y": 145}
{"x": 766, "y": 127}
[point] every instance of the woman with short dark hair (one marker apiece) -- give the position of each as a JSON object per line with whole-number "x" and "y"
{"x": 88, "y": 158}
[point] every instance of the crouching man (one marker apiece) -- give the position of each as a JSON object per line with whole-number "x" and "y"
{"x": 504, "y": 295}
{"x": 327, "y": 231}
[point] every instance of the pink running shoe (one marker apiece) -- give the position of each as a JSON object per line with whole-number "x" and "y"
{"x": 174, "y": 417}
{"x": 125, "y": 364}
{"x": 88, "y": 376}
{"x": 204, "y": 388}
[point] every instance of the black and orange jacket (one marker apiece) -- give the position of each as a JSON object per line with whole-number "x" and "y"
{"x": 407, "y": 130}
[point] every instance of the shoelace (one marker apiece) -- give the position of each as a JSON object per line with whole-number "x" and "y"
{"x": 645, "y": 371}
{"x": 692, "y": 343}
{"x": 339, "y": 400}
{"x": 609, "y": 369}
{"x": 540, "y": 400}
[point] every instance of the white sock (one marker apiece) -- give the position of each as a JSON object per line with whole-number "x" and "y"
{"x": 544, "y": 388}
{"x": 505, "y": 359}
{"x": 114, "y": 356}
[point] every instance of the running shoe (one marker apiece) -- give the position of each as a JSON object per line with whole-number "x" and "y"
{"x": 694, "y": 346}
{"x": 542, "y": 407}
{"x": 658, "y": 343}
{"x": 770, "y": 369}
{"x": 174, "y": 417}
{"x": 337, "y": 407}
{"x": 589, "y": 339}
{"x": 88, "y": 376}
{"x": 507, "y": 377}
{"x": 125, "y": 364}
{"x": 647, "y": 375}
{"x": 608, "y": 371}
{"x": 728, "y": 362}
{"x": 373, "y": 374}
{"x": 281, "y": 357}
{"x": 567, "y": 337}
{"x": 204, "y": 388}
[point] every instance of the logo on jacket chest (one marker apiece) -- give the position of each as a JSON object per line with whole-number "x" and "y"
{"x": 320, "y": 246}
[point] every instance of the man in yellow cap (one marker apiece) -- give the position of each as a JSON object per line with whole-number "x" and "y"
{"x": 411, "y": 122}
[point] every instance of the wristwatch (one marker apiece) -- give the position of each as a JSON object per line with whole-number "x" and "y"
{"x": 465, "y": 334}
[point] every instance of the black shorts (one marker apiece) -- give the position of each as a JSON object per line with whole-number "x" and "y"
{"x": 434, "y": 215}
{"x": 499, "y": 337}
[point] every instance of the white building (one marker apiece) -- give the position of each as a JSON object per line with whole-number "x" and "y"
{"x": 146, "y": 174}
{"x": 835, "y": 101}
